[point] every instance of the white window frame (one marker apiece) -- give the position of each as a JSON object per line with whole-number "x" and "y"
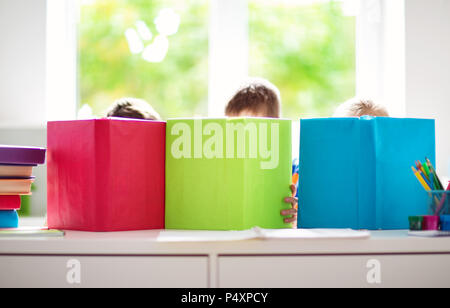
{"x": 380, "y": 53}
{"x": 228, "y": 51}
{"x": 62, "y": 63}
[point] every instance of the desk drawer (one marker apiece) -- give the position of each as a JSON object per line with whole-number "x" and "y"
{"x": 335, "y": 271}
{"x": 111, "y": 271}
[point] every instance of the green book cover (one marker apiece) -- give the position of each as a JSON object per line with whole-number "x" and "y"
{"x": 227, "y": 174}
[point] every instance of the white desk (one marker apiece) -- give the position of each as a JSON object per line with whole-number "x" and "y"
{"x": 136, "y": 259}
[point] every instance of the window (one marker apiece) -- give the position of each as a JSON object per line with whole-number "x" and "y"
{"x": 152, "y": 49}
{"x": 170, "y": 54}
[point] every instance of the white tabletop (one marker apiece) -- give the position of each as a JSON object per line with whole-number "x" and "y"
{"x": 146, "y": 243}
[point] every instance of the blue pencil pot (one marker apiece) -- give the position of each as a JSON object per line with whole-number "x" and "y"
{"x": 439, "y": 203}
{"x": 445, "y": 222}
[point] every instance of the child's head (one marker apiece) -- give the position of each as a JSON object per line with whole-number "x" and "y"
{"x": 133, "y": 108}
{"x": 361, "y": 107}
{"x": 257, "y": 98}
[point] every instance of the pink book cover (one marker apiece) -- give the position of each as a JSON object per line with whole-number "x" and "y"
{"x": 106, "y": 175}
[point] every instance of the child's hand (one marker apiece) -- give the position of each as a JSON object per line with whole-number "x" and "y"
{"x": 293, "y": 212}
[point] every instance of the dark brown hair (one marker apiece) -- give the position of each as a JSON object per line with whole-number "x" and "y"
{"x": 133, "y": 108}
{"x": 258, "y": 96}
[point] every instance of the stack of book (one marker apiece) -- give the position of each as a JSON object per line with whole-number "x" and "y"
{"x": 16, "y": 168}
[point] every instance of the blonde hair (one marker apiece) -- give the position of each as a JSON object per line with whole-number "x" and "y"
{"x": 358, "y": 107}
{"x": 133, "y": 108}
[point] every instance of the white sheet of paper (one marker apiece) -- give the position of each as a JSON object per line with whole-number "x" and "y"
{"x": 258, "y": 233}
{"x": 204, "y": 236}
{"x": 314, "y": 234}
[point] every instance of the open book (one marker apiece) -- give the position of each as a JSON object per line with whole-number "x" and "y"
{"x": 258, "y": 233}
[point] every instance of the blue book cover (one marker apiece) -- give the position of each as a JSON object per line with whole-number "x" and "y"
{"x": 356, "y": 172}
{"x": 399, "y": 143}
{"x": 9, "y": 219}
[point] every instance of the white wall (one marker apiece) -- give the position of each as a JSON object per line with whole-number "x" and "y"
{"x": 61, "y": 69}
{"x": 22, "y": 62}
{"x": 37, "y": 61}
{"x": 37, "y": 75}
{"x": 23, "y": 82}
{"x": 428, "y": 69}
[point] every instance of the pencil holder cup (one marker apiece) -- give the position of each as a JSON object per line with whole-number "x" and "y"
{"x": 445, "y": 222}
{"x": 430, "y": 223}
{"x": 416, "y": 223}
{"x": 439, "y": 202}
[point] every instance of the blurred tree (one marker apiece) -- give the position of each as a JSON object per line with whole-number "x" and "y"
{"x": 308, "y": 51}
{"x": 25, "y": 206}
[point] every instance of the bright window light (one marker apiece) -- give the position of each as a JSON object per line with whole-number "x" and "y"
{"x": 134, "y": 41}
{"x": 167, "y": 22}
{"x": 157, "y": 51}
{"x": 144, "y": 32}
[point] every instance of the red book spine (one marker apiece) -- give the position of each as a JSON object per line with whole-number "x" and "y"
{"x": 8, "y": 203}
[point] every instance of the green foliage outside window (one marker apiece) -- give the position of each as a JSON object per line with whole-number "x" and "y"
{"x": 108, "y": 70}
{"x": 25, "y": 206}
{"x": 308, "y": 51}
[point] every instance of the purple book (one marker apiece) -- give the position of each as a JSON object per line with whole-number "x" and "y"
{"x": 18, "y": 155}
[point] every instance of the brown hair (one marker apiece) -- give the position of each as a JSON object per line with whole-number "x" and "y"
{"x": 133, "y": 108}
{"x": 360, "y": 107}
{"x": 259, "y": 97}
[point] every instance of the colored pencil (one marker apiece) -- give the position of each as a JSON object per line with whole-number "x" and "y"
{"x": 424, "y": 169}
{"x": 421, "y": 180}
{"x": 438, "y": 182}
{"x": 430, "y": 183}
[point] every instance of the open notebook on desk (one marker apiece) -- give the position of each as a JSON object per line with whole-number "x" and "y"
{"x": 258, "y": 233}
